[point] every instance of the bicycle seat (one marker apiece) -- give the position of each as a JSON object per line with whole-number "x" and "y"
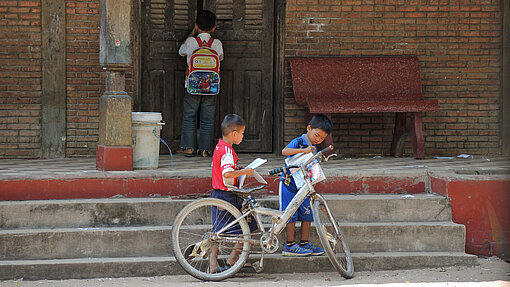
{"x": 244, "y": 192}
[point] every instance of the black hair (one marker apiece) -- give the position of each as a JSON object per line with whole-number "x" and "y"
{"x": 206, "y": 20}
{"x": 230, "y": 123}
{"x": 320, "y": 121}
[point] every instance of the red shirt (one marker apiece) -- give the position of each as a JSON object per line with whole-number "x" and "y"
{"x": 224, "y": 160}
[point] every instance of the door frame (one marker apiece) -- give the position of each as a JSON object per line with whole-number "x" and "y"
{"x": 279, "y": 75}
{"x": 136, "y": 33}
{"x": 278, "y": 66}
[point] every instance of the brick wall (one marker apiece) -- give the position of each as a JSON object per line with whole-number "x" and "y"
{"x": 85, "y": 77}
{"x": 20, "y": 79}
{"x": 457, "y": 42}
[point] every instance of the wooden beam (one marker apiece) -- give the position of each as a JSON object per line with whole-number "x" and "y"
{"x": 505, "y": 103}
{"x": 115, "y": 34}
{"x": 279, "y": 77}
{"x": 53, "y": 98}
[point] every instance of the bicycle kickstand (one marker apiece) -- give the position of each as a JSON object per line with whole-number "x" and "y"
{"x": 259, "y": 266}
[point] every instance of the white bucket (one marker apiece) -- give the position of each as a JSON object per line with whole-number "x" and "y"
{"x": 145, "y": 142}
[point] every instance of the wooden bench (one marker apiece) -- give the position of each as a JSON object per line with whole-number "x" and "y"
{"x": 366, "y": 85}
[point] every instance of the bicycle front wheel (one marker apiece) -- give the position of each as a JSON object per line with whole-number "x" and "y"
{"x": 332, "y": 238}
{"x": 196, "y": 234}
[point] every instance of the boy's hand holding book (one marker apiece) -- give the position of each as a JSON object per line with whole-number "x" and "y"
{"x": 248, "y": 171}
{"x": 309, "y": 149}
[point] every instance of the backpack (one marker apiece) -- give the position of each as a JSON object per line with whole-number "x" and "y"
{"x": 203, "y": 73}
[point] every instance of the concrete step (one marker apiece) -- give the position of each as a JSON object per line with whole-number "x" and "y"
{"x": 162, "y": 211}
{"x": 60, "y": 239}
{"x": 61, "y": 243}
{"x": 89, "y": 212}
{"x": 405, "y": 236}
{"x": 84, "y": 268}
{"x": 66, "y": 243}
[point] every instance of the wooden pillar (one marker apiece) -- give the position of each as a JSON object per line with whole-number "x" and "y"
{"x": 53, "y": 96}
{"x": 505, "y": 103}
{"x": 279, "y": 79}
{"x": 114, "y": 151}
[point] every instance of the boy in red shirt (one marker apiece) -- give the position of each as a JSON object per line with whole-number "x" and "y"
{"x": 225, "y": 173}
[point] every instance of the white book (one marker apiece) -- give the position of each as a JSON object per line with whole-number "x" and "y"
{"x": 254, "y": 164}
{"x": 315, "y": 169}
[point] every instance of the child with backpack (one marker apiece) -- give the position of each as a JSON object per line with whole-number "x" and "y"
{"x": 203, "y": 54}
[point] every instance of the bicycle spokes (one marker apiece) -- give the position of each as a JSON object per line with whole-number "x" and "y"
{"x": 207, "y": 238}
{"x": 332, "y": 238}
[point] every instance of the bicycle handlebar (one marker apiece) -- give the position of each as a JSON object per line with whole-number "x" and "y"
{"x": 286, "y": 168}
{"x": 276, "y": 171}
{"x": 281, "y": 169}
{"x": 328, "y": 148}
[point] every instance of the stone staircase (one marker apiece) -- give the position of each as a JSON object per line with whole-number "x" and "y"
{"x": 60, "y": 239}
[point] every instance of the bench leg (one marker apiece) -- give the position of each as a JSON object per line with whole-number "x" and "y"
{"x": 399, "y": 134}
{"x": 417, "y": 135}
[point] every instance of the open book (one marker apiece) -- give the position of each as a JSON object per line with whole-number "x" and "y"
{"x": 254, "y": 164}
{"x": 315, "y": 169}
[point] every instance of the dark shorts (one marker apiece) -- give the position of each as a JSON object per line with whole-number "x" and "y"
{"x": 222, "y": 218}
{"x": 287, "y": 193}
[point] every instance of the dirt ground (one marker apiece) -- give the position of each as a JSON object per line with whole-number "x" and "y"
{"x": 489, "y": 272}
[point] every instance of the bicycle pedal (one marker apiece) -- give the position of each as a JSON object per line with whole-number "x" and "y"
{"x": 187, "y": 252}
{"x": 256, "y": 266}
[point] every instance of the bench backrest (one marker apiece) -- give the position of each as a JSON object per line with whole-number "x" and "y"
{"x": 356, "y": 79}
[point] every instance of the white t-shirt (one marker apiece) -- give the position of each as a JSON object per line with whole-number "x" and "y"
{"x": 190, "y": 45}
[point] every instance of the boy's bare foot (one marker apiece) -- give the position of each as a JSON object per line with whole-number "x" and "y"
{"x": 212, "y": 267}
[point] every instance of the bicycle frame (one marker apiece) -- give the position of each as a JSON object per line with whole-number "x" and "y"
{"x": 280, "y": 218}
{"x": 293, "y": 206}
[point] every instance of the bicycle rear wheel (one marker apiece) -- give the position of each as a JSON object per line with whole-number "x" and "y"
{"x": 195, "y": 235}
{"x": 332, "y": 238}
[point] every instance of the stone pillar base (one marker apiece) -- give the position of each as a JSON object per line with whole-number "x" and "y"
{"x": 114, "y": 158}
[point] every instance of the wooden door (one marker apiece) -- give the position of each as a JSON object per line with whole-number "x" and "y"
{"x": 246, "y": 29}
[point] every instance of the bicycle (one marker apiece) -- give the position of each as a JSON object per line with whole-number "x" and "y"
{"x": 195, "y": 231}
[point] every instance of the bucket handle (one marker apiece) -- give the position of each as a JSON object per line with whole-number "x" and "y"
{"x": 171, "y": 156}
